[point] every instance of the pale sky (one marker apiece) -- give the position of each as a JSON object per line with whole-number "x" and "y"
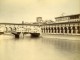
{"x": 27, "y": 10}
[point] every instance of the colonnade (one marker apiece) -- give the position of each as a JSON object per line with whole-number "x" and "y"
{"x": 61, "y": 29}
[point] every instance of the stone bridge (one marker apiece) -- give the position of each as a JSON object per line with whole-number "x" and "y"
{"x": 16, "y": 28}
{"x": 9, "y": 27}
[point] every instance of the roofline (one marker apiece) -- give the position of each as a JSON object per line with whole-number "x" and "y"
{"x": 62, "y": 23}
{"x": 18, "y": 24}
{"x": 66, "y": 16}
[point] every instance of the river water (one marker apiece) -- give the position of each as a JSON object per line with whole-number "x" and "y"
{"x": 42, "y": 48}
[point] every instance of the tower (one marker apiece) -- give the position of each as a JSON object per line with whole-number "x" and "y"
{"x": 39, "y": 19}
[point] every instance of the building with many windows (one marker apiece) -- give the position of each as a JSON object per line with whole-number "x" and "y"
{"x": 63, "y": 25}
{"x": 69, "y": 24}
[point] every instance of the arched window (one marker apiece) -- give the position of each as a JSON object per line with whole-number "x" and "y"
{"x": 54, "y": 29}
{"x": 58, "y": 29}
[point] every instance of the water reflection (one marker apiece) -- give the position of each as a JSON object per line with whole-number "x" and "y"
{"x": 66, "y": 45}
{"x": 42, "y": 48}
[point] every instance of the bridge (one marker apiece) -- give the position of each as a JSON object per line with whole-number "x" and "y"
{"x": 16, "y": 28}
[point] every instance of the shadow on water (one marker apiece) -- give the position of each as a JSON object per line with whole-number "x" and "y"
{"x": 69, "y": 48}
{"x": 48, "y": 48}
{"x": 34, "y": 37}
{"x": 27, "y": 38}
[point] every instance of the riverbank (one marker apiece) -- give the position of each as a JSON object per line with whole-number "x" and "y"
{"x": 62, "y": 36}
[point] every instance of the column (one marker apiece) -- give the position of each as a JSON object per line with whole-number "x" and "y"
{"x": 48, "y": 29}
{"x": 60, "y": 30}
{"x": 76, "y": 29}
{"x": 53, "y": 29}
{"x": 67, "y": 30}
{"x": 71, "y": 30}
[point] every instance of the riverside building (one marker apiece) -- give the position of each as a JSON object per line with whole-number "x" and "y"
{"x": 63, "y": 25}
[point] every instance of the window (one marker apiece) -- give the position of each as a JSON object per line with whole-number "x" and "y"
{"x": 74, "y": 17}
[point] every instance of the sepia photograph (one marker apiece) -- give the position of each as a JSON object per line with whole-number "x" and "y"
{"x": 39, "y": 29}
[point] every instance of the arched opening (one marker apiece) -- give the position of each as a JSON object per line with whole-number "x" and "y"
{"x": 78, "y": 28}
{"x": 69, "y": 28}
{"x": 65, "y": 28}
{"x": 61, "y": 29}
{"x": 42, "y": 30}
{"x": 49, "y": 29}
{"x": 46, "y": 30}
{"x": 74, "y": 30}
{"x": 54, "y": 29}
{"x": 58, "y": 29}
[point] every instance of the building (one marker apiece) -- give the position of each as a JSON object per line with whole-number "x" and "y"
{"x": 39, "y": 19}
{"x": 18, "y": 27}
{"x": 63, "y": 25}
{"x": 48, "y": 22}
{"x": 69, "y": 24}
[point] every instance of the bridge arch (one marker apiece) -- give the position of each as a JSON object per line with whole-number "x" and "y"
{"x": 9, "y": 29}
{"x": 14, "y": 29}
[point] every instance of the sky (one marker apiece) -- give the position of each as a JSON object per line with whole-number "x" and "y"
{"x": 16, "y": 11}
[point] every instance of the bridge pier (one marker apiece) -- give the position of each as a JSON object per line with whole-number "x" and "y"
{"x": 1, "y": 33}
{"x": 16, "y": 34}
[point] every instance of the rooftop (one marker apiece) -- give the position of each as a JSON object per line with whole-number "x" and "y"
{"x": 67, "y": 16}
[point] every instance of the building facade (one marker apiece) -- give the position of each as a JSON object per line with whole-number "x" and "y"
{"x": 18, "y": 27}
{"x": 63, "y": 25}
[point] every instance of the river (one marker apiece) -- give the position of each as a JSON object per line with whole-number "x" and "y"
{"x": 42, "y": 48}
